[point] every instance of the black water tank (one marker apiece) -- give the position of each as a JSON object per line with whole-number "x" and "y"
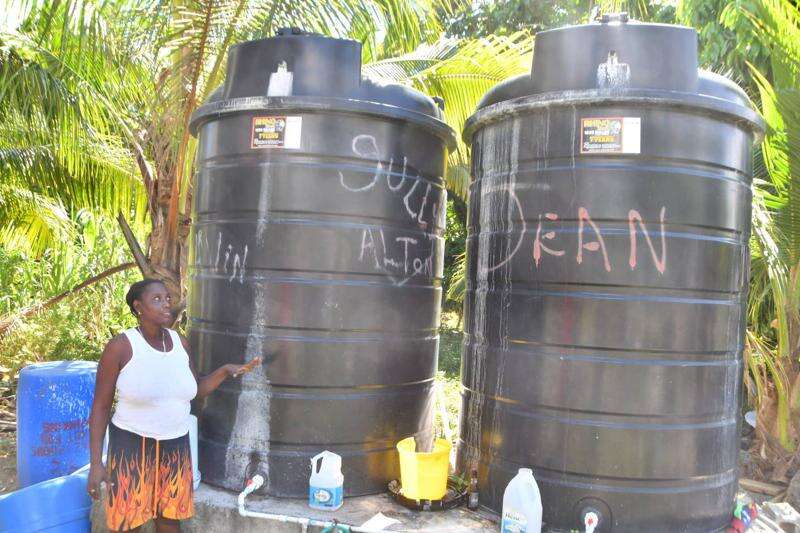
{"x": 608, "y": 256}
{"x": 318, "y": 225}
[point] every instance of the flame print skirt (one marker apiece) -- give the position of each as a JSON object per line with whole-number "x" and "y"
{"x": 149, "y": 478}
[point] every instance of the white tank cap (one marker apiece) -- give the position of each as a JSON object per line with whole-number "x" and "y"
{"x": 526, "y": 471}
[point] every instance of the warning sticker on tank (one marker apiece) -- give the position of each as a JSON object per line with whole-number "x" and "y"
{"x": 276, "y": 132}
{"x": 611, "y": 135}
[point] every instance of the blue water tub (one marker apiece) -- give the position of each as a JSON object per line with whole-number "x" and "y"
{"x": 57, "y": 505}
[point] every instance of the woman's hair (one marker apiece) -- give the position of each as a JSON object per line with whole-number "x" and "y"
{"x": 137, "y": 290}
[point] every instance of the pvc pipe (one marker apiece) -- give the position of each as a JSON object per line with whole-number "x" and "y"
{"x": 257, "y": 481}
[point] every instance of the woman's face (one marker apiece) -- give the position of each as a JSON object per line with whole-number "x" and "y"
{"x": 154, "y": 305}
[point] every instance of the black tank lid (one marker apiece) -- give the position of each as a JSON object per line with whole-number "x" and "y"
{"x": 324, "y": 72}
{"x": 615, "y": 58}
{"x": 616, "y": 54}
{"x": 320, "y": 66}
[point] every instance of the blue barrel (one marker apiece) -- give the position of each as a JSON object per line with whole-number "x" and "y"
{"x": 59, "y": 505}
{"x": 53, "y": 404}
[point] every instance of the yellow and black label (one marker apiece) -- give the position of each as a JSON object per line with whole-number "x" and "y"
{"x": 276, "y": 132}
{"x": 611, "y": 135}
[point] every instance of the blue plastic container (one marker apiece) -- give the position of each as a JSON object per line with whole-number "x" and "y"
{"x": 53, "y": 404}
{"x": 57, "y": 505}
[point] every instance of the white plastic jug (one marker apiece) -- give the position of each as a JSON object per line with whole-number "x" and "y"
{"x": 326, "y": 485}
{"x": 522, "y": 504}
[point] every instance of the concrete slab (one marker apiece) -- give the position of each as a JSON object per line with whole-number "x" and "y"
{"x": 216, "y": 511}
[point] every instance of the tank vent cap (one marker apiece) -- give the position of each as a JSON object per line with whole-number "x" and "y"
{"x": 607, "y": 18}
{"x": 292, "y": 31}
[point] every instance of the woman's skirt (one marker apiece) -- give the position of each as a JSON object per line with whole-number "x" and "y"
{"x": 149, "y": 478}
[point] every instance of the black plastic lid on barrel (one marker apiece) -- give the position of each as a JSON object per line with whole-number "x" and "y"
{"x": 326, "y": 75}
{"x": 648, "y": 63}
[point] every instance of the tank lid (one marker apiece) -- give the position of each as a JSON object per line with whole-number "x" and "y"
{"x": 59, "y": 367}
{"x": 615, "y": 59}
{"x": 294, "y": 62}
{"x": 711, "y": 84}
{"x": 612, "y": 54}
{"x": 615, "y": 53}
{"x": 296, "y": 68}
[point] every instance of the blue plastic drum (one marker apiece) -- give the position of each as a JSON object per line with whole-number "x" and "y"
{"x": 53, "y": 404}
{"x": 58, "y": 505}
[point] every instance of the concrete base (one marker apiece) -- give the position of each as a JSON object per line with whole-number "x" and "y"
{"x": 216, "y": 511}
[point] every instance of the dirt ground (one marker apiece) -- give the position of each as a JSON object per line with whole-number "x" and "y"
{"x": 8, "y": 461}
{"x": 8, "y": 438}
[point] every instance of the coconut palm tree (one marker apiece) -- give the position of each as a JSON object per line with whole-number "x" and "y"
{"x": 97, "y": 97}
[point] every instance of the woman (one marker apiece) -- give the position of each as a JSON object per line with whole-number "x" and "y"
{"x": 148, "y": 470}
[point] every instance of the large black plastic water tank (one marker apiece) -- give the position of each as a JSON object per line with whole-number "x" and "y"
{"x": 318, "y": 244}
{"x": 608, "y": 256}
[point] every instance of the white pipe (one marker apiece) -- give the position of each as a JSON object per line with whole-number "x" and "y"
{"x": 256, "y": 483}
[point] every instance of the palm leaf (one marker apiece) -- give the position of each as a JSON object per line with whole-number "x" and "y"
{"x": 61, "y": 97}
{"x": 778, "y": 24}
{"x": 460, "y": 72}
{"x": 30, "y": 221}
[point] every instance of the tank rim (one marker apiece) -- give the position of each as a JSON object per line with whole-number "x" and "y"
{"x": 637, "y": 97}
{"x": 316, "y": 104}
{"x": 630, "y": 22}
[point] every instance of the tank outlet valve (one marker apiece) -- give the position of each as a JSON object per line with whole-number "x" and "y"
{"x": 256, "y": 482}
{"x": 280, "y": 81}
{"x": 590, "y": 521}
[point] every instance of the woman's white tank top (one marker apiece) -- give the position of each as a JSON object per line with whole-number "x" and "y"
{"x": 154, "y": 389}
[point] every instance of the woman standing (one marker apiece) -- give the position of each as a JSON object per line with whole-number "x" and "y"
{"x": 148, "y": 469}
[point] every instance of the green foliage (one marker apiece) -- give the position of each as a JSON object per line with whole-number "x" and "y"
{"x": 450, "y": 338}
{"x": 455, "y": 244}
{"x": 775, "y": 360}
{"x": 460, "y": 72}
{"x": 79, "y": 326}
{"x": 661, "y": 11}
{"x": 725, "y": 37}
{"x": 63, "y": 146}
{"x": 505, "y": 17}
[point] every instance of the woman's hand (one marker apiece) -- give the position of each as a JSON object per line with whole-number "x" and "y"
{"x": 208, "y": 384}
{"x": 97, "y": 475}
{"x": 235, "y": 371}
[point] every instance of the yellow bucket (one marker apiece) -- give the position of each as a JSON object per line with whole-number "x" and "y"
{"x": 423, "y": 476}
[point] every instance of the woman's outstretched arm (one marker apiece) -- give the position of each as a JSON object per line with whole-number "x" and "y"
{"x": 209, "y": 383}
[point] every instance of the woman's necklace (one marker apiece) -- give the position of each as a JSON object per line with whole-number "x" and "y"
{"x": 163, "y": 338}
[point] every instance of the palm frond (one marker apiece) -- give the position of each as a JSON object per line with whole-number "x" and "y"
{"x": 64, "y": 102}
{"x": 460, "y": 72}
{"x": 30, "y": 221}
{"x": 777, "y": 23}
